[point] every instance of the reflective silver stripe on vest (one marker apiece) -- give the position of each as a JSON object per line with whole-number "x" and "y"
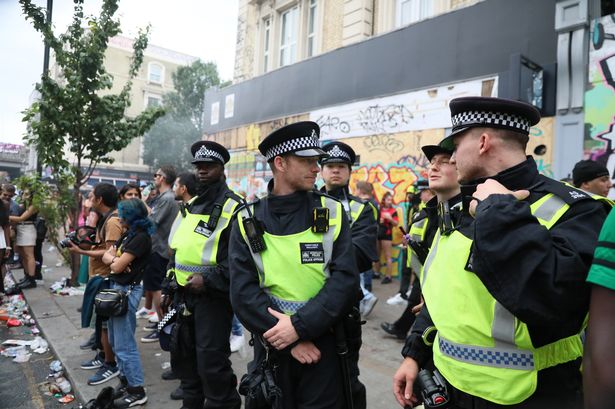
{"x": 287, "y": 306}
{"x": 328, "y": 237}
{"x": 497, "y": 357}
{"x": 549, "y": 208}
{"x": 420, "y": 224}
{"x": 503, "y": 328}
{"x": 430, "y": 257}
{"x": 225, "y": 217}
{"x": 194, "y": 269}
{"x": 174, "y": 227}
{"x": 354, "y": 209}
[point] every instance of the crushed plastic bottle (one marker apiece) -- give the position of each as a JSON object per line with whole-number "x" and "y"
{"x": 55, "y": 366}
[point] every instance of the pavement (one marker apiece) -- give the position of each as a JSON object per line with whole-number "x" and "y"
{"x": 59, "y": 321}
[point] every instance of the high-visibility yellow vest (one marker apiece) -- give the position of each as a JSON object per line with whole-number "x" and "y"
{"x": 481, "y": 348}
{"x": 196, "y": 246}
{"x": 295, "y": 267}
{"x": 353, "y": 209}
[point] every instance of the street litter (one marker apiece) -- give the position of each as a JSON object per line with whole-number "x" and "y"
{"x": 12, "y": 352}
{"x": 55, "y": 366}
{"x": 66, "y": 399}
{"x": 166, "y": 365}
{"x": 62, "y": 288}
{"x": 64, "y": 385}
{"x": 22, "y": 358}
{"x": 39, "y": 345}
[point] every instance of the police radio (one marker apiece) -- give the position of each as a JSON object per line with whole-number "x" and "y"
{"x": 254, "y": 231}
{"x": 214, "y": 217}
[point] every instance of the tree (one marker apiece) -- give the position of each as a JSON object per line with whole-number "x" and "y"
{"x": 170, "y": 138}
{"x": 71, "y": 111}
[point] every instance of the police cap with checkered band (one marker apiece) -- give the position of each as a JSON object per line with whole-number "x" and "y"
{"x": 300, "y": 139}
{"x": 338, "y": 152}
{"x": 209, "y": 151}
{"x": 486, "y": 112}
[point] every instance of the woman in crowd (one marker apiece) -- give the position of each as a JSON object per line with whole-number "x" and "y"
{"x": 5, "y": 240}
{"x": 26, "y": 238}
{"x": 127, "y": 260}
{"x": 388, "y": 220}
{"x": 130, "y": 191}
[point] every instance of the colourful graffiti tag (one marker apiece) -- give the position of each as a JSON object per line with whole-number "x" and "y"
{"x": 394, "y": 179}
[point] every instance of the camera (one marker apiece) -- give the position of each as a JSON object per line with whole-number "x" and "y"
{"x": 431, "y": 387}
{"x": 70, "y": 238}
{"x": 84, "y": 237}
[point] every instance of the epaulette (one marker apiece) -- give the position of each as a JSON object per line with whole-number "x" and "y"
{"x": 319, "y": 193}
{"x": 420, "y": 215}
{"x": 235, "y": 196}
{"x": 358, "y": 199}
{"x": 569, "y": 194}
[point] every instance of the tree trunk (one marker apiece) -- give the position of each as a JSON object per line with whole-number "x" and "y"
{"x": 75, "y": 259}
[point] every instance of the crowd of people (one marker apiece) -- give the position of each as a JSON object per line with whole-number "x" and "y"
{"x": 497, "y": 266}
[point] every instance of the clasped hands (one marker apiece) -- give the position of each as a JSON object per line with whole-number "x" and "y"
{"x": 283, "y": 334}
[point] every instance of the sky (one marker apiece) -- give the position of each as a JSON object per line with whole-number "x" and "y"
{"x": 201, "y": 28}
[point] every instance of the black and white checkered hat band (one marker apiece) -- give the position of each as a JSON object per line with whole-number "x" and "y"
{"x": 204, "y": 153}
{"x": 293, "y": 145}
{"x": 490, "y": 118}
{"x": 336, "y": 152}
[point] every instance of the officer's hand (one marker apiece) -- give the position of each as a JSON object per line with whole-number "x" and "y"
{"x": 283, "y": 333}
{"x": 403, "y": 381}
{"x": 493, "y": 187}
{"x": 417, "y": 308}
{"x": 195, "y": 283}
{"x": 306, "y": 352}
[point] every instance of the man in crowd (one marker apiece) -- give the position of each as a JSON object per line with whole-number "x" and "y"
{"x": 592, "y": 177}
{"x": 108, "y": 231}
{"x": 294, "y": 273}
{"x": 200, "y": 269}
{"x": 361, "y": 214}
{"x": 507, "y": 283}
{"x": 163, "y": 214}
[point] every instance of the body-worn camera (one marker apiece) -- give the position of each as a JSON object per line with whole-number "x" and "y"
{"x": 431, "y": 387}
{"x": 84, "y": 236}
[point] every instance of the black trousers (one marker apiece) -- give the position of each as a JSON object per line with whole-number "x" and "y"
{"x": 407, "y": 318}
{"x": 200, "y": 357}
{"x": 354, "y": 342}
{"x": 315, "y": 386}
{"x": 406, "y": 273}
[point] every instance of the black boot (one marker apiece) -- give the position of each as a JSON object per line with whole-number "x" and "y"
{"x": 120, "y": 388}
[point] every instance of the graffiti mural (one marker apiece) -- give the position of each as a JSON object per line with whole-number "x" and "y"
{"x": 600, "y": 98}
{"x": 411, "y": 111}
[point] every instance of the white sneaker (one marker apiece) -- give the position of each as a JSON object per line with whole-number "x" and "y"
{"x": 236, "y": 341}
{"x": 144, "y": 313}
{"x": 366, "y": 305}
{"x": 154, "y": 318}
{"x": 397, "y": 299}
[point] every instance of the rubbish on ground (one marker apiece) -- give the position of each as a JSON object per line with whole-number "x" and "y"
{"x": 12, "y": 352}
{"x": 158, "y": 354}
{"x": 64, "y": 385}
{"x": 166, "y": 365}
{"x": 13, "y": 322}
{"x": 35, "y": 330}
{"x": 55, "y": 366}
{"x": 62, "y": 287}
{"x": 66, "y": 399}
{"x": 39, "y": 345}
{"x": 17, "y": 342}
{"x": 22, "y": 358}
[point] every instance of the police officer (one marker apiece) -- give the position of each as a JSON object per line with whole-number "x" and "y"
{"x": 505, "y": 289}
{"x": 361, "y": 214}
{"x": 199, "y": 267}
{"x": 294, "y": 274}
{"x": 442, "y": 180}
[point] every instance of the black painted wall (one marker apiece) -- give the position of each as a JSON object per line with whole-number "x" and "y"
{"x": 472, "y": 42}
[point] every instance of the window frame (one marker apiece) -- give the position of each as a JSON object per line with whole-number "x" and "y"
{"x": 156, "y": 64}
{"x": 291, "y": 46}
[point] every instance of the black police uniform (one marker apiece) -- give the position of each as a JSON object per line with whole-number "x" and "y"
{"x": 364, "y": 231}
{"x": 200, "y": 357}
{"x": 536, "y": 274}
{"x": 317, "y": 385}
